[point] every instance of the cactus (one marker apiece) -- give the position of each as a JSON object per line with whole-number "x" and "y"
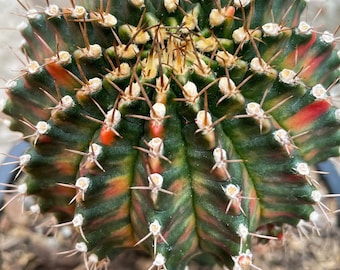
{"x": 181, "y": 128}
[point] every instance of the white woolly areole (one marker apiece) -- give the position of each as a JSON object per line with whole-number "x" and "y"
{"x": 162, "y": 84}
{"x": 271, "y": 29}
{"x": 127, "y": 52}
{"x": 94, "y": 85}
{"x": 112, "y": 118}
{"x": 281, "y": 136}
{"x": 190, "y": 92}
{"x": 316, "y": 196}
{"x": 226, "y": 59}
{"x": 319, "y": 92}
{"x": 140, "y": 36}
{"x": 304, "y": 28}
{"x": 122, "y": 71}
{"x": 203, "y": 120}
{"x": 22, "y": 189}
{"x": 94, "y": 51}
{"x": 208, "y": 44}
{"x": 52, "y": 10}
{"x": 83, "y": 183}
{"x": 156, "y": 180}
{"x": 259, "y": 65}
{"x": 24, "y": 159}
{"x": 231, "y": 190}
{"x": 216, "y": 17}
{"x": 131, "y": 92}
{"x": 159, "y": 260}
{"x": 33, "y": 67}
{"x": 303, "y": 168}
{"x": 171, "y": 5}
{"x": 95, "y": 149}
{"x": 227, "y": 86}
{"x": 78, "y": 220}
{"x": 137, "y": 3}
{"x": 327, "y": 37}
{"x": 220, "y": 155}
{"x": 189, "y": 22}
{"x": 79, "y": 12}
{"x": 64, "y": 58}
{"x": 67, "y": 102}
{"x": 107, "y": 20}
{"x": 158, "y": 111}
{"x": 201, "y": 68}
{"x": 240, "y": 35}
{"x": 241, "y": 3}
{"x": 42, "y": 127}
{"x": 81, "y": 247}
{"x": 155, "y": 228}
{"x": 254, "y": 109}
{"x": 242, "y": 231}
{"x": 288, "y": 76}
{"x": 156, "y": 146}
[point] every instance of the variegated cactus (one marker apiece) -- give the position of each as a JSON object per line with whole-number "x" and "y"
{"x": 181, "y": 128}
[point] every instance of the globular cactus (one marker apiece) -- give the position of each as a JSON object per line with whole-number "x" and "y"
{"x": 183, "y": 128}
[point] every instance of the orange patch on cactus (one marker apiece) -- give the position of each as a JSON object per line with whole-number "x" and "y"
{"x": 107, "y": 136}
{"x": 62, "y": 76}
{"x": 125, "y": 234}
{"x": 300, "y": 51}
{"x": 65, "y": 167}
{"x": 116, "y": 187}
{"x": 230, "y": 11}
{"x": 307, "y": 115}
{"x": 178, "y": 186}
{"x": 44, "y": 139}
{"x": 313, "y": 64}
{"x": 272, "y": 215}
{"x": 156, "y": 129}
{"x": 61, "y": 192}
{"x": 188, "y": 232}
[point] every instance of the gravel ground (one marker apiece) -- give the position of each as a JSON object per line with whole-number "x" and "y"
{"x": 24, "y": 245}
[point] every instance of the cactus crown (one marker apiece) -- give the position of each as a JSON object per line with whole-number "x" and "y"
{"x": 177, "y": 127}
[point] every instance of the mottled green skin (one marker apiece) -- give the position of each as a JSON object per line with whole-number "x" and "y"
{"x": 193, "y": 219}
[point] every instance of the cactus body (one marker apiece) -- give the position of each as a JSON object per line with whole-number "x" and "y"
{"x": 176, "y": 127}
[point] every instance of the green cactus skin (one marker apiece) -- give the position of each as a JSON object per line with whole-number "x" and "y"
{"x": 175, "y": 127}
